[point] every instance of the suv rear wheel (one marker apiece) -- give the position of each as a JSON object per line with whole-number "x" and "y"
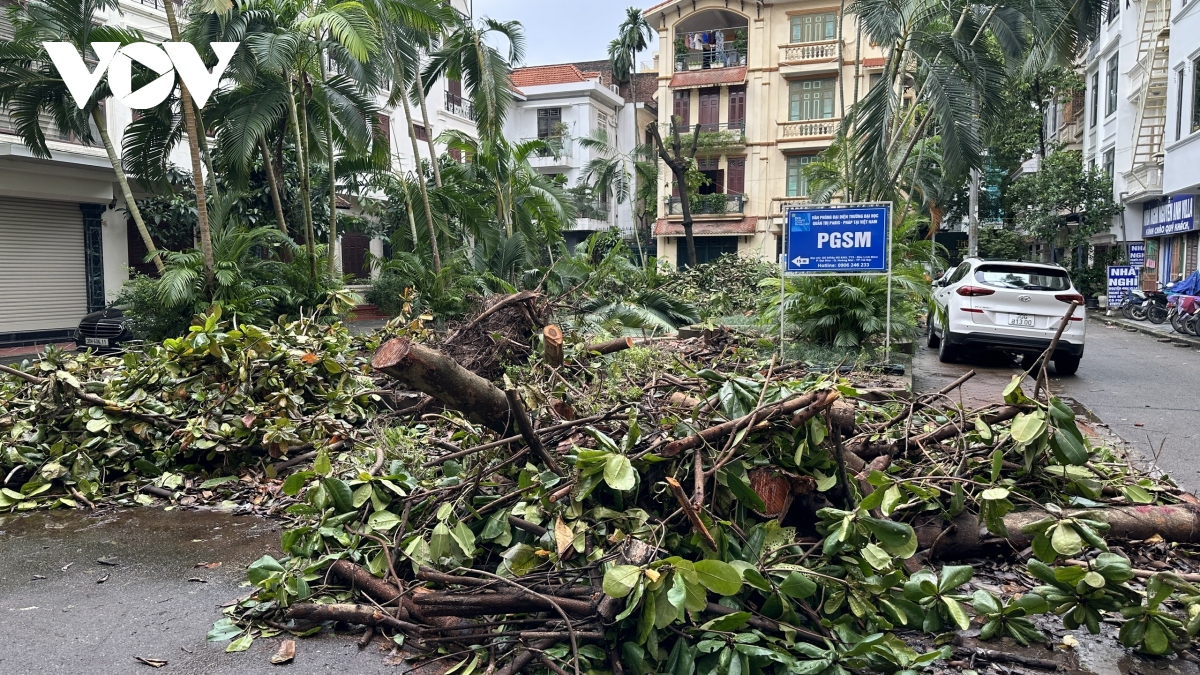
{"x": 946, "y": 353}
{"x": 1066, "y": 365}
{"x": 932, "y": 340}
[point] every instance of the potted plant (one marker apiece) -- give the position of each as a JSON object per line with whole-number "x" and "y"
{"x": 740, "y": 44}
{"x": 680, "y": 53}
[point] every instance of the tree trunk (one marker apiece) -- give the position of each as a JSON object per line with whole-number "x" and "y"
{"x": 678, "y": 167}
{"x": 126, "y": 192}
{"x": 611, "y": 346}
{"x": 310, "y": 235}
{"x": 552, "y": 345}
{"x": 333, "y": 266}
{"x": 206, "y": 153}
{"x": 437, "y": 171}
{"x": 189, "y": 122}
{"x": 276, "y": 198}
{"x": 412, "y": 136}
{"x": 441, "y": 377}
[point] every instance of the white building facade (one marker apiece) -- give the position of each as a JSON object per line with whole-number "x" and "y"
{"x": 66, "y": 244}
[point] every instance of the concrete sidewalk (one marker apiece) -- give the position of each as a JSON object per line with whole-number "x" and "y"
{"x": 1162, "y": 332}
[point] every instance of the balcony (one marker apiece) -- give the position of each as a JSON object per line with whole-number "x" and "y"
{"x": 457, "y": 105}
{"x": 709, "y": 205}
{"x": 714, "y": 138}
{"x": 591, "y": 210}
{"x": 809, "y": 52}
{"x": 1144, "y": 182}
{"x": 708, "y": 60}
{"x": 806, "y": 130}
{"x": 556, "y": 156}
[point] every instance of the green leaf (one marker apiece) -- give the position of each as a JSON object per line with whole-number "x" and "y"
{"x": 891, "y": 499}
{"x": 1137, "y": 494}
{"x": 816, "y": 429}
{"x": 984, "y": 602}
{"x": 984, "y": 431}
{"x": 953, "y": 576}
{"x": 261, "y": 569}
{"x": 1156, "y": 641}
{"x": 214, "y": 482}
{"x": 796, "y": 585}
{"x": 619, "y": 473}
{"x": 1066, "y": 540}
{"x": 343, "y": 499}
{"x": 876, "y": 557}
{"x": 619, "y": 580}
{"x": 957, "y": 613}
{"x": 899, "y": 539}
{"x": 1026, "y": 428}
{"x": 741, "y": 489}
{"x": 994, "y": 493}
{"x": 224, "y": 629}
{"x": 1067, "y": 449}
{"x": 719, "y": 577}
{"x": 1013, "y": 395}
{"x": 321, "y": 465}
{"x": 241, "y": 644}
{"x": 465, "y": 538}
{"x": 291, "y": 486}
{"x": 383, "y": 521}
{"x": 727, "y": 623}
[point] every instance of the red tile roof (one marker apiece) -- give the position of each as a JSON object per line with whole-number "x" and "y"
{"x": 541, "y": 75}
{"x": 741, "y": 226}
{"x": 658, "y": 6}
{"x": 874, "y": 63}
{"x": 689, "y": 79}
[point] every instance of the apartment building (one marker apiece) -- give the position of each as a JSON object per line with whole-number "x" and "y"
{"x": 769, "y": 84}
{"x": 1169, "y": 223}
{"x": 562, "y": 103}
{"x": 66, "y": 246}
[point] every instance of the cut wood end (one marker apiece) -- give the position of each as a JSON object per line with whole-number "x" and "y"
{"x": 552, "y": 333}
{"x": 672, "y": 482}
{"x": 390, "y": 353}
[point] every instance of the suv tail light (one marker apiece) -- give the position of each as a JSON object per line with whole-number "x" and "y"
{"x": 973, "y": 291}
{"x": 1069, "y": 298}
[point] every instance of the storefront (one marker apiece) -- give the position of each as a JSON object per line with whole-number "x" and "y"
{"x": 1169, "y": 228}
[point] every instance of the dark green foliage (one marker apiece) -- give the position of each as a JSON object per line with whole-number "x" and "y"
{"x": 726, "y": 286}
{"x": 1063, "y": 200}
{"x": 152, "y": 320}
{"x": 1002, "y": 243}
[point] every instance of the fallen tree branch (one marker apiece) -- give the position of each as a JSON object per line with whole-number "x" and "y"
{"x": 346, "y": 613}
{"x": 517, "y": 407}
{"x": 610, "y": 347}
{"x": 764, "y": 415}
{"x": 685, "y": 503}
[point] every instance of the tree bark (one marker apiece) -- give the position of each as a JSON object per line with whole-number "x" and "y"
{"x": 611, "y": 346}
{"x": 437, "y": 171}
{"x": 356, "y": 577}
{"x": 552, "y": 345}
{"x": 864, "y": 448}
{"x": 420, "y": 176}
{"x": 443, "y": 378}
{"x": 348, "y": 613}
{"x": 189, "y": 122}
{"x": 679, "y": 166}
{"x": 276, "y": 198}
{"x": 966, "y": 537}
{"x": 126, "y": 192}
{"x": 310, "y": 235}
{"x": 333, "y": 262}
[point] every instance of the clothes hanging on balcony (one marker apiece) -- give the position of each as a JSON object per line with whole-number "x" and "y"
{"x": 719, "y": 45}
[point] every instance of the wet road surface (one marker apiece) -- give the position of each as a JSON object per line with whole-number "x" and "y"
{"x": 1147, "y": 391}
{"x": 67, "y": 622}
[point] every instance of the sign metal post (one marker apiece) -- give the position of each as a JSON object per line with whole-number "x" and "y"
{"x": 838, "y": 240}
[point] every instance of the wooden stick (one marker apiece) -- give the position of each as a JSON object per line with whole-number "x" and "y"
{"x": 690, "y": 511}
{"x": 517, "y": 407}
{"x": 923, "y": 401}
{"x": 610, "y": 347}
{"x": 513, "y": 439}
{"x": 722, "y": 430}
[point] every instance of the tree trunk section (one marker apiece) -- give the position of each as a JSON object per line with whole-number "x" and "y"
{"x": 276, "y": 198}
{"x": 310, "y": 235}
{"x": 552, "y": 345}
{"x": 441, "y": 377}
{"x": 610, "y": 347}
{"x": 437, "y": 171}
{"x": 420, "y": 176}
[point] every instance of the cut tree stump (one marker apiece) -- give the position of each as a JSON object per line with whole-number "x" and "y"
{"x": 552, "y": 345}
{"x": 441, "y": 377}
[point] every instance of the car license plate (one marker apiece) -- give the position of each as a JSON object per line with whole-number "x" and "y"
{"x": 96, "y": 342}
{"x": 1020, "y": 320}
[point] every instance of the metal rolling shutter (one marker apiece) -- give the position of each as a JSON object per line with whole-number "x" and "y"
{"x": 43, "y": 281}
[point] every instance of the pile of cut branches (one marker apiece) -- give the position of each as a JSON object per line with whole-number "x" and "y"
{"x": 721, "y": 513}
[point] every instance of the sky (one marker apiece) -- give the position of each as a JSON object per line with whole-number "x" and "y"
{"x": 562, "y": 31}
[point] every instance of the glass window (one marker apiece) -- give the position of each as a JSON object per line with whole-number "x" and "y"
{"x": 1110, "y": 161}
{"x": 1195, "y": 97}
{"x": 814, "y": 27}
{"x": 797, "y": 182}
{"x": 548, "y": 121}
{"x": 959, "y": 273}
{"x": 874, "y": 79}
{"x": 1179, "y": 103}
{"x": 1114, "y": 9}
{"x": 1024, "y": 278}
{"x": 1110, "y": 104}
{"x": 1095, "y": 98}
{"x": 811, "y": 99}
{"x": 420, "y": 132}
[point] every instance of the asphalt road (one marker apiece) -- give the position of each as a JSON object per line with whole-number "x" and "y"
{"x": 63, "y": 611}
{"x": 1147, "y": 391}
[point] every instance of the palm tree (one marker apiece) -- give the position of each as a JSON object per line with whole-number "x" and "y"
{"x": 467, "y": 55}
{"x": 633, "y": 36}
{"x": 617, "y": 176}
{"x": 31, "y": 86}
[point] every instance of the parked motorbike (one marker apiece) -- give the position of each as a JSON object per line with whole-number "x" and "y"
{"x": 1155, "y": 305}
{"x": 1133, "y": 306}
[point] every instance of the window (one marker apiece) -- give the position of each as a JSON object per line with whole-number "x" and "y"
{"x": 683, "y": 103}
{"x": 1023, "y": 278}
{"x": 1179, "y": 103}
{"x": 456, "y": 155}
{"x": 1114, "y": 9}
{"x": 1195, "y": 98}
{"x": 385, "y": 129}
{"x": 797, "y": 182}
{"x": 1110, "y": 83}
{"x": 873, "y": 79}
{"x": 708, "y": 249}
{"x": 603, "y": 120}
{"x": 1095, "y": 98}
{"x": 420, "y": 132}
{"x": 1110, "y": 156}
{"x": 710, "y": 109}
{"x": 737, "y": 107}
{"x": 735, "y": 169}
{"x": 959, "y": 273}
{"x": 549, "y": 120}
{"x": 811, "y": 100}
{"x": 814, "y": 27}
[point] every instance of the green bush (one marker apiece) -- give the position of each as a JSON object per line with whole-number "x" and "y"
{"x": 386, "y": 291}
{"x": 845, "y": 311}
{"x": 151, "y": 319}
{"x": 724, "y": 287}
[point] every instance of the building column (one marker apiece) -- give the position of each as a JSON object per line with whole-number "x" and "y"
{"x": 93, "y": 254}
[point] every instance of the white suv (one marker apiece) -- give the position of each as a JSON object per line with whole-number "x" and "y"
{"x": 1009, "y": 306}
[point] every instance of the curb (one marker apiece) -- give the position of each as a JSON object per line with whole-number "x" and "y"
{"x": 1173, "y": 337}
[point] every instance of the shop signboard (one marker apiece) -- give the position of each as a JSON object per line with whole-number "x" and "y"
{"x": 1171, "y": 217}
{"x": 838, "y": 239}
{"x": 1137, "y": 255}
{"x": 1121, "y": 280}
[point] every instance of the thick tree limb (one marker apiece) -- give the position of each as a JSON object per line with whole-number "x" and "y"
{"x": 610, "y": 347}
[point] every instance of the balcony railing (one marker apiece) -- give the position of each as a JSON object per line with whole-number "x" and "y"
{"x": 712, "y": 136}
{"x": 457, "y": 105}
{"x": 591, "y": 209}
{"x": 558, "y": 147}
{"x": 708, "y": 59}
{"x": 786, "y": 203}
{"x": 801, "y": 130}
{"x": 156, "y": 4}
{"x": 809, "y": 51}
{"x": 708, "y": 205}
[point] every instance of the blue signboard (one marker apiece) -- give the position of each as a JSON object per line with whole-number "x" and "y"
{"x": 1172, "y": 217}
{"x": 1121, "y": 280}
{"x": 1137, "y": 255}
{"x": 837, "y": 239}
